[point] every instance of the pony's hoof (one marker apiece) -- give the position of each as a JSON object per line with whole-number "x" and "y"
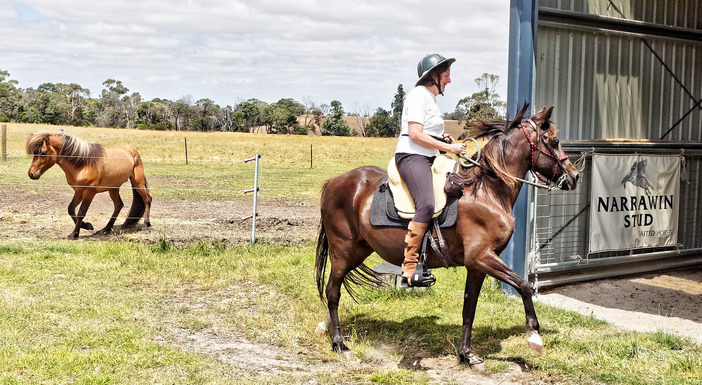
{"x": 535, "y": 343}
{"x": 347, "y": 354}
{"x": 321, "y": 329}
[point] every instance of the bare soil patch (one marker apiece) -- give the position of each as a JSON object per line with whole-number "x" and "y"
{"x": 670, "y": 301}
{"x": 29, "y": 214}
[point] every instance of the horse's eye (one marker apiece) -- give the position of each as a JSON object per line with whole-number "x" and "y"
{"x": 556, "y": 142}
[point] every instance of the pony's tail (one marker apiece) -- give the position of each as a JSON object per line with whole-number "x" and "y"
{"x": 320, "y": 264}
{"x": 137, "y": 210}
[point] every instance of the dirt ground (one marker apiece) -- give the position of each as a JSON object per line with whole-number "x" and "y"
{"x": 670, "y": 301}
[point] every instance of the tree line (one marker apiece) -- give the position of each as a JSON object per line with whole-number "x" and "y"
{"x": 71, "y": 104}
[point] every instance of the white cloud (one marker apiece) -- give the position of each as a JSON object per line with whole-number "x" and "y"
{"x": 356, "y": 51}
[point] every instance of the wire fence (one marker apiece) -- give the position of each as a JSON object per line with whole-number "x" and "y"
{"x": 255, "y": 189}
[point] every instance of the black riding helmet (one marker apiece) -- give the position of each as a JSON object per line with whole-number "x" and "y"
{"x": 429, "y": 63}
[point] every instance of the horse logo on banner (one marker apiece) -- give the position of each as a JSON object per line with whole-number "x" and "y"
{"x": 637, "y": 178}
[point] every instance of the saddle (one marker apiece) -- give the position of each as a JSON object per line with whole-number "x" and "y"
{"x": 386, "y": 211}
{"x": 443, "y": 164}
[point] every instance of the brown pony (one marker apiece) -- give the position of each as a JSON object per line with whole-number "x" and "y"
{"x": 483, "y": 228}
{"x": 90, "y": 169}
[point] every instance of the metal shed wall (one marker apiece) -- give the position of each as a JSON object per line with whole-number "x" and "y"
{"x": 635, "y": 75}
{"x": 619, "y": 69}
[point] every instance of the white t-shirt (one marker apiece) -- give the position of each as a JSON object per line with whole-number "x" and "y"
{"x": 420, "y": 106}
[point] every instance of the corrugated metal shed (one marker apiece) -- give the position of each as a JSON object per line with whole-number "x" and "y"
{"x": 621, "y": 69}
{"x": 614, "y": 69}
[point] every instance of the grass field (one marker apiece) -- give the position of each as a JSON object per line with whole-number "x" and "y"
{"x": 122, "y": 313}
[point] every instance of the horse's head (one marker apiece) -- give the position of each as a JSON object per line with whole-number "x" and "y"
{"x": 45, "y": 154}
{"x": 547, "y": 156}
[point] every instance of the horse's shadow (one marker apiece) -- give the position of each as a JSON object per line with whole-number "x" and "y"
{"x": 422, "y": 337}
{"x": 120, "y": 230}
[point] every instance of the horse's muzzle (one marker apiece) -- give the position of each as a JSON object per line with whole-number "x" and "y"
{"x": 570, "y": 182}
{"x": 34, "y": 175}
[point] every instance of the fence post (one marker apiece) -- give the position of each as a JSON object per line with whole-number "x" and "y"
{"x": 4, "y": 142}
{"x": 255, "y": 200}
{"x": 186, "y": 150}
{"x": 310, "y": 156}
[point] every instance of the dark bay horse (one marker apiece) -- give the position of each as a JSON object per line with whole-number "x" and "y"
{"x": 91, "y": 169}
{"x": 483, "y": 228}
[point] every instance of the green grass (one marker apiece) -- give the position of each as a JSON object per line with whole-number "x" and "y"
{"x": 110, "y": 313}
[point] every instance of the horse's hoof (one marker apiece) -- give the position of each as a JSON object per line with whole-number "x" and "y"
{"x": 321, "y": 329}
{"x": 535, "y": 343}
{"x": 87, "y": 226}
{"x": 72, "y": 236}
{"x": 480, "y": 367}
{"x": 476, "y": 363}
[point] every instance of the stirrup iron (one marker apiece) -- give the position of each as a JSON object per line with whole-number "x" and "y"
{"x": 422, "y": 277}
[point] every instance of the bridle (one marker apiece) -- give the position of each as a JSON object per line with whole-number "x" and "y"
{"x": 548, "y": 185}
{"x": 534, "y": 148}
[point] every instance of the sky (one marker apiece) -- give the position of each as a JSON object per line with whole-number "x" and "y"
{"x": 353, "y": 51}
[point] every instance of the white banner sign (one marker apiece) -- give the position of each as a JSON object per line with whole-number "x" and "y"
{"x": 634, "y": 202}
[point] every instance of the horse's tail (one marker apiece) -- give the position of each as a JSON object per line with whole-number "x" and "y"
{"x": 138, "y": 206}
{"x": 320, "y": 264}
{"x": 362, "y": 275}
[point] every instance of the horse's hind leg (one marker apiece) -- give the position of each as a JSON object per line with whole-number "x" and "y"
{"x": 117, "y": 200}
{"x": 345, "y": 257}
{"x": 141, "y": 187}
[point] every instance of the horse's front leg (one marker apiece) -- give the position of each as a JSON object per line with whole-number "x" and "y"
{"x": 474, "y": 282}
{"x": 86, "y": 201}
{"x": 117, "y": 201}
{"x": 77, "y": 198}
{"x": 494, "y": 266}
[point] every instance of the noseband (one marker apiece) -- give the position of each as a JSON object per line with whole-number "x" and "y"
{"x": 535, "y": 148}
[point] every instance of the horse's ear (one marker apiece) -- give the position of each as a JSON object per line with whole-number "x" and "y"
{"x": 543, "y": 116}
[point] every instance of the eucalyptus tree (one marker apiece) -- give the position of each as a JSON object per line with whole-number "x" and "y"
{"x": 381, "y": 124}
{"x": 398, "y": 104}
{"x": 482, "y": 105}
{"x": 10, "y": 98}
{"x": 335, "y": 124}
{"x": 109, "y": 112}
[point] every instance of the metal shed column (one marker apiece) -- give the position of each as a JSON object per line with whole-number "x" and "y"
{"x": 522, "y": 32}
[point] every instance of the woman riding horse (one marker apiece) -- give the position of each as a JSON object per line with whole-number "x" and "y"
{"x": 421, "y": 139}
{"x": 483, "y": 226}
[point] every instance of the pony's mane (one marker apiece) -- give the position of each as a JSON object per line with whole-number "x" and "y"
{"x": 77, "y": 152}
{"x": 493, "y": 156}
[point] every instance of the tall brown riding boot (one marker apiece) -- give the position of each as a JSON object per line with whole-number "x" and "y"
{"x": 413, "y": 243}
